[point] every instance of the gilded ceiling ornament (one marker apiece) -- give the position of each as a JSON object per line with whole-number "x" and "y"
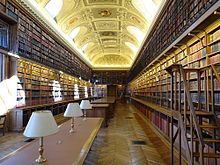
{"x": 135, "y": 19}
{"x": 101, "y": 1}
{"x": 109, "y": 25}
{"x": 73, "y": 21}
{"x": 108, "y": 33}
{"x": 122, "y": 13}
{"x": 105, "y": 13}
{"x": 106, "y": 25}
{"x": 103, "y": 22}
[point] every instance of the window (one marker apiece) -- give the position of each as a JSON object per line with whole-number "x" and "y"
{"x": 74, "y": 32}
{"x": 147, "y": 8}
{"x": 136, "y": 33}
{"x": 4, "y": 35}
{"x": 53, "y": 7}
{"x": 132, "y": 47}
{"x": 1, "y": 67}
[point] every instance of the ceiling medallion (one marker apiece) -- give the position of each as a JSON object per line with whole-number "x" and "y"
{"x": 105, "y": 13}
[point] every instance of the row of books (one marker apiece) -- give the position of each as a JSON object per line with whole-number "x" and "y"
{"x": 194, "y": 97}
{"x": 181, "y": 55}
{"x": 214, "y": 59}
{"x": 4, "y": 36}
{"x": 203, "y": 98}
{"x": 217, "y": 98}
{"x": 197, "y": 46}
{"x": 210, "y": 161}
{"x": 53, "y": 84}
{"x": 216, "y": 84}
{"x": 35, "y": 44}
{"x": 215, "y": 36}
{"x": 197, "y": 55}
{"x": 215, "y": 47}
{"x": 193, "y": 85}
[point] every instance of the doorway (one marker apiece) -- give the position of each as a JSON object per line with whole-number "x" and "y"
{"x": 111, "y": 90}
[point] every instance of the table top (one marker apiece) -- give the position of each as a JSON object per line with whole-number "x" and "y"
{"x": 61, "y": 148}
{"x": 100, "y": 105}
{"x": 108, "y": 100}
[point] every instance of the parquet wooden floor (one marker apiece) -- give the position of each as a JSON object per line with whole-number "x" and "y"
{"x": 113, "y": 145}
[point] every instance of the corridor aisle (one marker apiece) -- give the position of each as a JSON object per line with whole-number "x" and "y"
{"x": 116, "y": 144}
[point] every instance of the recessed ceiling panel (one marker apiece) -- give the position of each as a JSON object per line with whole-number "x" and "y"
{"x": 111, "y": 31}
{"x": 101, "y": 2}
{"x": 108, "y": 34}
{"x": 106, "y": 25}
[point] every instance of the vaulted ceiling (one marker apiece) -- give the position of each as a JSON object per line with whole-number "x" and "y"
{"x": 109, "y": 32}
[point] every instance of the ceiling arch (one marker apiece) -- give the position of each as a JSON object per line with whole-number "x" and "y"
{"x": 42, "y": 3}
{"x": 111, "y": 61}
{"x": 111, "y": 31}
{"x": 96, "y": 57}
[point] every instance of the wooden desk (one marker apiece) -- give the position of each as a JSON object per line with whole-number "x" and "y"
{"x": 100, "y": 110}
{"x": 106, "y": 100}
{"x": 19, "y": 116}
{"x": 61, "y": 148}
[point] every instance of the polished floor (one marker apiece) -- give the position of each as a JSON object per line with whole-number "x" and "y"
{"x": 127, "y": 140}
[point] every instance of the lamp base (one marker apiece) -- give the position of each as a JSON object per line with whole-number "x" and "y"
{"x": 72, "y": 126}
{"x": 40, "y": 159}
{"x": 84, "y": 115}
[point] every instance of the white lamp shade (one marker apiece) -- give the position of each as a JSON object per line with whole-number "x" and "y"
{"x": 73, "y": 110}
{"x": 85, "y": 104}
{"x": 41, "y": 124}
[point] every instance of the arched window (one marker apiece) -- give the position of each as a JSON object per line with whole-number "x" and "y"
{"x": 85, "y": 46}
{"x": 4, "y": 35}
{"x": 132, "y": 47}
{"x": 137, "y": 33}
{"x": 53, "y": 7}
{"x": 147, "y": 8}
{"x": 74, "y": 32}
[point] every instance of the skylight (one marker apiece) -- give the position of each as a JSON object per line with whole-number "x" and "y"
{"x": 132, "y": 47}
{"x": 85, "y": 46}
{"x": 147, "y": 8}
{"x": 136, "y": 33}
{"x": 53, "y": 7}
{"x": 74, "y": 32}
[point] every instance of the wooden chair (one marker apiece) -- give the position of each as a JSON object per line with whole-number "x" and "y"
{"x": 2, "y": 123}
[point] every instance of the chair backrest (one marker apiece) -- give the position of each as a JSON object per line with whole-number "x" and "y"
{"x": 2, "y": 119}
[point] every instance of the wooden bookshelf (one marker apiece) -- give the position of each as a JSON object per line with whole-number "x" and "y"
{"x": 175, "y": 18}
{"x": 110, "y": 77}
{"x": 39, "y": 84}
{"x": 154, "y": 82}
{"x": 100, "y": 90}
{"x": 158, "y": 95}
{"x": 37, "y": 44}
{"x": 40, "y": 87}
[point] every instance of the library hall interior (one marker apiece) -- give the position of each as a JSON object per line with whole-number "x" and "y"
{"x": 110, "y": 82}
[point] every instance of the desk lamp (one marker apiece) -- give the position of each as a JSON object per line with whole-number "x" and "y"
{"x": 41, "y": 124}
{"x": 73, "y": 110}
{"x": 84, "y": 105}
